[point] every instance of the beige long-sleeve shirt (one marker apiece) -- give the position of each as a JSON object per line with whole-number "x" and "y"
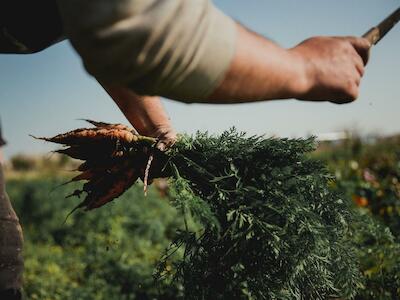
{"x": 179, "y": 49}
{"x": 174, "y": 48}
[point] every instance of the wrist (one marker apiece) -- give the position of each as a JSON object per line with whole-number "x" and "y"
{"x": 302, "y": 78}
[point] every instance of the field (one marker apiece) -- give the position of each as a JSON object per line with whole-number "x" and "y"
{"x": 112, "y": 252}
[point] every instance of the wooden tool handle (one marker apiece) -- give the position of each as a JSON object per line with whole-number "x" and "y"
{"x": 375, "y": 34}
{"x": 372, "y": 35}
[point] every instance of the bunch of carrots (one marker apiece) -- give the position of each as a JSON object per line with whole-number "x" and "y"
{"x": 252, "y": 200}
{"x": 114, "y": 156}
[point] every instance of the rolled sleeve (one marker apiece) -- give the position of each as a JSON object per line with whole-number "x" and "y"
{"x": 179, "y": 49}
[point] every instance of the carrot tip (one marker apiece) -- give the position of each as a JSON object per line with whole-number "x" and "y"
{"x": 39, "y": 138}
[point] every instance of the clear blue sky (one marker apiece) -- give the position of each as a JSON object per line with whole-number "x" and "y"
{"x": 44, "y": 94}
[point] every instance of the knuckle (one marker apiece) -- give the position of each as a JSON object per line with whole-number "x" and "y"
{"x": 362, "y": 71}
{"x": 353, "y": 93}
{"x": 346, "y": 47}
{"x": 345, "y": 42}
{"x": 365, "y": 43}
{"x": 349, "y": 90}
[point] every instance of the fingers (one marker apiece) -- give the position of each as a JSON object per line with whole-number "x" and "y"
{"x": 166, "y": 139}
{"x": 362, "y": 47}
{"x": 346, "y": 96}
{"x": 359, "y": 65}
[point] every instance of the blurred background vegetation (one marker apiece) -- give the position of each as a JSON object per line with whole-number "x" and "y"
{"x": 111, "y": 253}
{"x": 367, "y": 173}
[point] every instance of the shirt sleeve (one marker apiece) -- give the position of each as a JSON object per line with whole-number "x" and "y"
{"x": 179, "y": 49}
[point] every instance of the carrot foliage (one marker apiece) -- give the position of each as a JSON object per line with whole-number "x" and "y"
{"x": 270, "y": 226}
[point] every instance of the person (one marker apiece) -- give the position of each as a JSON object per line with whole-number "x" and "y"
{"x": 183, "y": 50}
{"x": 11, "y": 261}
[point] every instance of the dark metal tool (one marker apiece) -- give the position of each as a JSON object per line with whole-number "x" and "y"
{"x": 375, "y": 34}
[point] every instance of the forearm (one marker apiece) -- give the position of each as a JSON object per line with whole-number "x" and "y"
{"x": 318, "y": 69}
{"x": 260, "y": 70}
{"x": 145, "y": 113}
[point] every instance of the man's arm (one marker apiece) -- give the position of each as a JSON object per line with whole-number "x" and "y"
{"x": 145, "y": 113}
{"x": 321, "y": 68}
{"x": 189, "y": 51}
{"x": 178, "y": 49}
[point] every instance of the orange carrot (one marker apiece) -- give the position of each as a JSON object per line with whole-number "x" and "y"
{"x": 91, "y": 135}
{"x": 114, "y": 155}
{"x": 117, "y": 188}
{"x": 110, "y": 126}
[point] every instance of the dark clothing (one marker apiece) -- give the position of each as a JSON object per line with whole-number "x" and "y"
{"x": 11, "y": 294}
{"x": 28, "y": 26}
{"x": 11, "y": 243}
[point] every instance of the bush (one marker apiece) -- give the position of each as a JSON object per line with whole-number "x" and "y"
{"x": 23, "y": 163}
{"x": 110, "y": 253}
{"x": 379, "y": 257}
{"x": 369, "y": 174}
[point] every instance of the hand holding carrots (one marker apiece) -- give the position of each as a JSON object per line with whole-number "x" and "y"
{"x": 146, "y": 114}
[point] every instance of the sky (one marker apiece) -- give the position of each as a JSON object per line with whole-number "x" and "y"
{"x": 44, "y": 94}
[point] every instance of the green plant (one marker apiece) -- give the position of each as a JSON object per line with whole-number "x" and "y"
{"x": 369, "y": 173}
{"x": 23, "y": 163}
{"x": 379, "y": 257}
{"x": 254, "y": 218}
{"x": 271, "y": 227}
{"x": 107, "y": 254}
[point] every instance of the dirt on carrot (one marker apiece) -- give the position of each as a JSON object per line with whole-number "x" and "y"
{"x": 114, "y": 156}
